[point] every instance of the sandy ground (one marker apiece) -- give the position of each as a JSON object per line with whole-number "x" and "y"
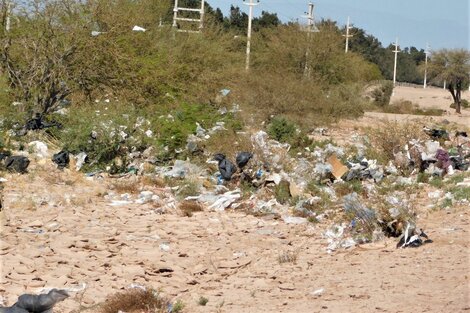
{"x": 59, "y": 230}
{"x": 428, "y": 98}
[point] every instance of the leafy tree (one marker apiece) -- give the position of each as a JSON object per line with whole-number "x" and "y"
{"x": 266, "y": 20}
{"x": 452, "y": 66}
{"x": 237, "y": 20}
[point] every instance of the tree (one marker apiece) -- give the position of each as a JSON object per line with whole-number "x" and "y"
{"x": 266, "y": 20}
{"x": 452, "y": 66}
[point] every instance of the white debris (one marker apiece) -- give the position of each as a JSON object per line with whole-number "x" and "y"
{"x": 138, "y": 29}
{"x": 39, "y": 148}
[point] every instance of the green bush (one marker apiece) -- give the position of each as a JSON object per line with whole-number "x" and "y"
{"x": 382, "y": 94}
{"x": 282, "y": 129}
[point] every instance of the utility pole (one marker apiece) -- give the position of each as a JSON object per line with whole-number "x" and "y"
{"x": 7, "y": 22}
{"x": 426, "y": 52}
{"x": 311, "y": 28}
{"x": 251, "y": 4}
{"x": 395, "y": 64}
{"x": 347, "y": 36}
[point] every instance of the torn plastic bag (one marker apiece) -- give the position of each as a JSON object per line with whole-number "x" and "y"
{"x": 226, "y": 167}
{"x": 17, "y": 163}
{"x": 62, "y": 159}
{"x": 38, "y": 122}
{"x": 43, "y": 303}
{"x": 243, "y": 158}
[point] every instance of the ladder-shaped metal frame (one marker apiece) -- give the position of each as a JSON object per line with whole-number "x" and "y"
{"x": 199, "y": 20}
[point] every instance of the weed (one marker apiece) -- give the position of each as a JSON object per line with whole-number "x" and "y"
{"x": 189, "y": 188}
{"x": 202, "y": 301}
{"x": 133, "y": 300}
{"x": 461, "y": 193}
{"x": 446, "y": 203}
{"x": 436, "y": 182}
{"x": 282, "y": 192}
{"x": 423, "y": 178}
{"x": 457, "y": 178}
{"x": 125, "y": 186}
{"x": 288, "y": 257}
{"x": 177, "y": 307}
{"x": 189, "y": 207}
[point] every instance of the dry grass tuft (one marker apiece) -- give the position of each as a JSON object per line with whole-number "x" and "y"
{"x": 288, "y": 257}
{"x": 126, "y": 185}
{"x": 153, "y": 180}
{"x": 189, "y": 207}
{"x": 135, "y": 300}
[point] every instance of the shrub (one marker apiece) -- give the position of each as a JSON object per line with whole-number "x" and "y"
{"x": 133, "y": 300}
{"x": 282, "y": 129}
{"x": 382, "y": 94}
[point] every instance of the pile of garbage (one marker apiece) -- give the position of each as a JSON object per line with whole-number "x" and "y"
{"x": 269, "y": 179}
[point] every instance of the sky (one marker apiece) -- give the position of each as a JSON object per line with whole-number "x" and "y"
{"x": 440, "y": 23}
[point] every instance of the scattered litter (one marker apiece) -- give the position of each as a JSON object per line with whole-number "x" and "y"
{"x": 412, "y": 238}
{"x": 164, "y": 247}
{"x": 138, "y": 29}
{"x": 81, "y": 159}
{"x": 294, "y": 220}
{"x": 318, "y": 292}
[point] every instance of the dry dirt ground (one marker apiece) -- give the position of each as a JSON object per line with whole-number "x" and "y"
{"x": 59, "y": 230}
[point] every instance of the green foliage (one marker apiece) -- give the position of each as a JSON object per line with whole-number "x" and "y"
{"x": 203, "y": 301}
{"x": 282, "y": 192}
{"x": 382, "y": 94}
{"x": 461, "y": 193}
{"x": 281, "y": 129}
{"x": 177, "y": 307}
{"x": 436, "y": 182}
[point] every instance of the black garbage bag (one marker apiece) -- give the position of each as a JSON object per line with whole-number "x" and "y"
{"x": 37, "y": 303}
{"x": 4, "y": 155}
{"x": 226, "y": 167}
{"x": 16, "y": 163}
{"x": 243, "y": 158}
{"x": 436, "y": 133}
{"x": 38, "y": 122}
{"x": 62, "y": 159}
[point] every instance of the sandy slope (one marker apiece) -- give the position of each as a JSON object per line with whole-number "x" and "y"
{"x": 231, "y": 258}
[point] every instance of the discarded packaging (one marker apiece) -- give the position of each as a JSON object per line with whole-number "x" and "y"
{"x": 338, "y": 168}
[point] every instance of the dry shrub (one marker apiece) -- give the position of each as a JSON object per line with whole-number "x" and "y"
{"x": 228, "y": 143}
{"x": 408, "y": 107}
{"x": 152, "y": 180}
{"x": 135, "y": 300}
{"x": 288, "y": 257}
{"x": 126, "y": 186}
{"x": 391, "y": 137}
{"x": 187, "y": 208}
